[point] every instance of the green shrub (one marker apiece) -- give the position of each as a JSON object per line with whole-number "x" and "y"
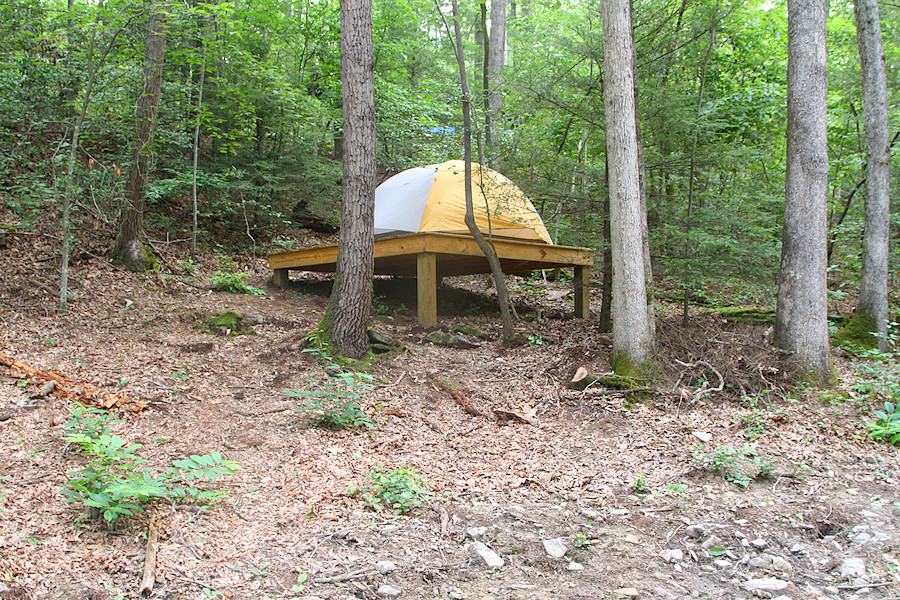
{"x": 887, "y": 427}
{"x": 234, "y": 283}
{"x": 112, "y": 484}
{"x": 338, "y": 404}
{"x": 400, "y": 490}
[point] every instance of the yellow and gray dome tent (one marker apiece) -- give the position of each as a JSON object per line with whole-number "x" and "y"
{"x": 432, "y": 199}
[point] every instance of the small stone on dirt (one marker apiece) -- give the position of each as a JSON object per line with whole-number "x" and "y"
{"x": 628, "y": 592}
{"x": 574, "y": 566}
{"x": 490, "y": 558}
{"x": 619, "y": 512}
{"x": 852, "y": 567}
{"x": 385, "y": 566}
{"x": 695, "y": 531}
{"x": 476, "y": 532}
{"x": 388, "y": 591}
{"x": 768, "y": 584}
{"x": 781, "y": 565}
{"x": 759, "y": 544}
{"x": 555, "y": 548}
{"x": 703, "y": 436}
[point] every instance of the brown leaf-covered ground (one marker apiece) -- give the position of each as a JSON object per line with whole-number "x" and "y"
{"x": 620, "y": 480}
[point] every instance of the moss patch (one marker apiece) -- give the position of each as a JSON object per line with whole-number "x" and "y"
{"x": 469, "y": 330}
{"x": 228, "y": 323}
{"x": 858, "y": 333}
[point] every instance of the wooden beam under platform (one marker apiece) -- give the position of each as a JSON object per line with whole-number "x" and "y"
{"x": 431, "y": 256}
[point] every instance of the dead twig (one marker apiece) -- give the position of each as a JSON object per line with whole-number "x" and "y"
{"x": 704, "y": 389}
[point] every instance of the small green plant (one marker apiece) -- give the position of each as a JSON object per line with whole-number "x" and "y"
{"x": 887, "y": 426}
{"x": 400, "y": 490}
{"x": 338, "y": 404}
{"x": 234, "y": 283}
{"x": 740, "y": 467}
{"x": 535, "y": 340}
{"x": 641, "y": 487}
{"x": 112, "y": 485}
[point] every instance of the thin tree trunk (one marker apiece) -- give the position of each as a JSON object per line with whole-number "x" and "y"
{"x": 129, "y": 248}
{"x": 197, "y": 122}
{"x": 73, "y": 155}
{"x": 483, "y": 244}
{"x": 632, "y": 331}
{"x": 873, "y": 287}
{"x": 350, "y": 305}
{"x": 801, "y": 325}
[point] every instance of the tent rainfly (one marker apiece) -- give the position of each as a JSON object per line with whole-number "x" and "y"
{"x": 432, "y": 199}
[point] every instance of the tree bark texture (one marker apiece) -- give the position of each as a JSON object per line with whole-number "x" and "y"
{"x": 631, "y": 326}
{"x": 496, "y": 63}
{"x": 802, "y": 318}
{"x": 350, "y": 305}
{"x": 873, "y": 289}
{"x": 129, "y": 249}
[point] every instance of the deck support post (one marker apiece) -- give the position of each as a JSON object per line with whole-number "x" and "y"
{"x": 426, "y": 287}
{"x": 280, "y": 278}
{"x": 582, "y": 292}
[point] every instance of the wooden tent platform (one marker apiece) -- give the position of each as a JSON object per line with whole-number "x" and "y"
{"x": 430, "y": 256}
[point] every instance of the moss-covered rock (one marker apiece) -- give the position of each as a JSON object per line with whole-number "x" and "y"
{"x": 858, "y": 333}
{"x": 227, "y": 323}
{"x": 469, "y": 330}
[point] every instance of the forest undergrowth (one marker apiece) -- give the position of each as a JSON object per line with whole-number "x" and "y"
{"x": 437, "y": 472}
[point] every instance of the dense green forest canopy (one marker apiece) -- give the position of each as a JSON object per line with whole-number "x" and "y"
{"x": 711, "y": 87}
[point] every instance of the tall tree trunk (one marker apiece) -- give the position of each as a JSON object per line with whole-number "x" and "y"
{"x": 801, "y": 325}
{"x": 350, "y": 305}
{"x": 872, "y": 309}
{"x": 631, "y": 325}
{"x": 496, "y": 63}
{"x": 129, "y": 248}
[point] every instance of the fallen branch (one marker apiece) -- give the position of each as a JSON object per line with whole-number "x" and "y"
{"x": 83, "y": 393}
{"x": 704, "y": 389}
{"x": 149, "y": 579}
{"x": 465, "y": 404}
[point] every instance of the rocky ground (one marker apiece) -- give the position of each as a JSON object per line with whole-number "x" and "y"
{"x": 755, "y": 491}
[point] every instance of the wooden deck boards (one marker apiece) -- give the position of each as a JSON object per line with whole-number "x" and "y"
{"x": 430, "y": 256}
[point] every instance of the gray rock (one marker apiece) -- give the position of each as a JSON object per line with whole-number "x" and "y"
{"x": 388, "y": 591}
{"x": 722, "y": 563}
{"x": 628, "y": 592}
{"x": 555, "y": 547}
{"x": 477, "y": 532}
{"x": 711, "y": 542}
{"x": 619, "y": 512}
{"x": 490, "y": 558}
{"x": 781, "y": 565}
{"x": 852, "y": 567}
{"x": 763, "y": 561}
{"x": 861, "y": 538}
{"x": 695, "y": 531}
{"x": 798, "y": 548}
{"x": 385, "y": 566}
{"x": 768, "y": 584}
{"x": 574, "y": 566}
{"x": 666, "y": 555}
{"x": 663, "y": 594}
{"x": 703, "y": 436}
{"x": 759, "y": 544}
{"x": 439, "y": 338}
